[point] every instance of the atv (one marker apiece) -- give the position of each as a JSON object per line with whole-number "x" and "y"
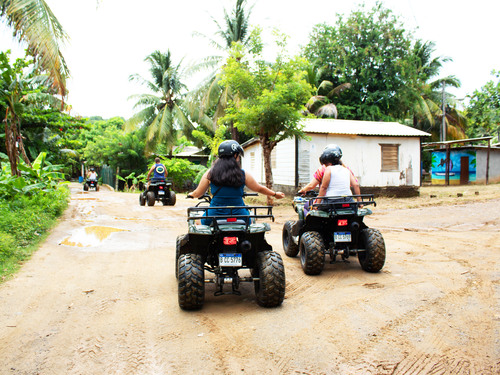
{"x": 333, "y": 227}
{"x": 231, "y": 243}
{"x": 90, "y": 184}
{"x": 158, "y": 190}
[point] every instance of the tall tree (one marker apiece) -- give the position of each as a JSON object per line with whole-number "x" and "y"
{"x": 422, "y": 96}
{"x": 22, "y": 89}
{"x": 34, "y": 23}
{"x": 270, "y": 96}
{"x": 210, "y": 100}
{"x": 370, "y": 51}
{"x": 162, "y": 110}
{"x": 483, "y": 110}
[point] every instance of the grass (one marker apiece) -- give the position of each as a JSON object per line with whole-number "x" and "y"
{"x": 25, "y": 222}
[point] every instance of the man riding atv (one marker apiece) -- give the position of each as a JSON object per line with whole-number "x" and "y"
{"x": 91, "y": 182}
{"x": 159, "y": 172}
{"x": 157, "y": 188}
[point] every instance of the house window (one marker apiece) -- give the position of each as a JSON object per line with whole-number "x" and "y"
{"x": 273, "y": 158}
{"x": 252, "y": 160}
{"x": 390, "y": 157}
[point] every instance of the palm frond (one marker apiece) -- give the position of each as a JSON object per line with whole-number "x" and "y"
{"x": 34, "y": 23}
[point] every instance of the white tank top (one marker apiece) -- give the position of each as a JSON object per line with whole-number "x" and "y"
{"x": 340, "y": 181}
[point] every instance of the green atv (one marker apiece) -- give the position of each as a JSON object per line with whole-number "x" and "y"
{"x": 334, "y": 227}
{"x": 230, "y": 243}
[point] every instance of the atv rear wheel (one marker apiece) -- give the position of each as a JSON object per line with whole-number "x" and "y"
{"x": 270, "y": 288}
{"x": 191, "y": 283}
{"x": 312, "y": 253}
{"x": 289, "y": 246}
{"x": 150, "y": 197}
{"x": 173, "y": 199}
{"x": 373, "y": 258}
{"x": 142, "y": 199}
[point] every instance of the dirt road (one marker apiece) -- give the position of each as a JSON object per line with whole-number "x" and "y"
{"x": 100, "y": 297}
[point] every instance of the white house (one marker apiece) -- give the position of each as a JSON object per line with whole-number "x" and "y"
{"x": 382, "y": 155}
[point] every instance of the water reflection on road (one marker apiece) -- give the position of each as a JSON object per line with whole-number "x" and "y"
{"x": 89, "y": 236}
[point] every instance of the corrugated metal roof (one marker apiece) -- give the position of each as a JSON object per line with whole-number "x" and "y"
{"x": 357, "y": 127}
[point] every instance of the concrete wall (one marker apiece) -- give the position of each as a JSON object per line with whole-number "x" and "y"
{"x": 494, "y": 166}
{"x": 361, "y": 154}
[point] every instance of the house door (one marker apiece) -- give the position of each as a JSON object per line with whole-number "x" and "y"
{"x": 464, "y": 170}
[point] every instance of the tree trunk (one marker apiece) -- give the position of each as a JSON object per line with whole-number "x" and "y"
{"x": 10, "y": 146}
{"x": 235, "y": 135}
{"x": 23, "y": 151}
{"x": 267, "y": 148}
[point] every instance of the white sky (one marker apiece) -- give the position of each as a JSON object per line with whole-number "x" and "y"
{"x": 111, "y": 38}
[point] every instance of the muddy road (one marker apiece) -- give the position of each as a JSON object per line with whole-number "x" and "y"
{"x": 100, "y": 297}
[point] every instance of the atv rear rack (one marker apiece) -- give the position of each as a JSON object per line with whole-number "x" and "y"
{"x": 336, "y": 205}
{"x": 218, "y": 221}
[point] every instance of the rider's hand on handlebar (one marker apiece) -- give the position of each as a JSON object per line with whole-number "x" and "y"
{"x": 279, "y": 195}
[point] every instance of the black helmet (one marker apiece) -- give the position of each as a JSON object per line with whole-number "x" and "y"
{"x": 230, "y": 148}
{"x": 331, "y": 154}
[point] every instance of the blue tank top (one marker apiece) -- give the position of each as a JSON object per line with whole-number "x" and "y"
{"x": 226, "y": 196}
{"x": 159, "y": 172}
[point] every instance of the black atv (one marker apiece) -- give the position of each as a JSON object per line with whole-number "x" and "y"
{"x": 158, "y": 190}
{"x": 229, "y": 244}
{"x": 90, "y": 184}
{"x": 333, "y": 227}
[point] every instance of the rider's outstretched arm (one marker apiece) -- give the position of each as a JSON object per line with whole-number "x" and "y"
{"x": 252, "y": 184}
{"x": 202, "y": 187}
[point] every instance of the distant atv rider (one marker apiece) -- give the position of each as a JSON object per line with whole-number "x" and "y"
{"x": 159, "y": 172}
{"x": 226, "y": 180}
{"x": 92, "y": 174}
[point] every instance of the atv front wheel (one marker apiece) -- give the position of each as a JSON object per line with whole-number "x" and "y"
{"x": 372, "y": 259}
{"x": 270, "y": 288}
{"x": 290, "y": 247}
{"x": 150, "y": 197}
{"x": 178, "y": 242}
{"x": 312, "y": 253}
{"x": 142, "y": 199}
{"x": 191, "y": 283}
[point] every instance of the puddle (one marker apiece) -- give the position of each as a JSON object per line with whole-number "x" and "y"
{"x": 89, "y": 236}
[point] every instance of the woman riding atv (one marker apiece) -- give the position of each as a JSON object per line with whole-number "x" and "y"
{"x": 227, "y": 180}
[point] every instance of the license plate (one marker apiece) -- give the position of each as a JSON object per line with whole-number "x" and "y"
{"x": 230, "y": 260}
{"x": 161, "y": 192}
{"x": 342, "y": 236}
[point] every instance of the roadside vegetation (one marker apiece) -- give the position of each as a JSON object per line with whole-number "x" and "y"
{"x": 30, "y": 204}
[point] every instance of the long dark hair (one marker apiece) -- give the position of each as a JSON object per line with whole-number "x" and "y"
{"x": 226, "y": 171}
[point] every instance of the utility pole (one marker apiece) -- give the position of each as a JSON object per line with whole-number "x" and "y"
{"x": 443, "y": 123}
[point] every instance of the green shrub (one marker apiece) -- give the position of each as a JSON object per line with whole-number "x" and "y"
{"x": 24, "y": 220}
{"x": 182, "y": 172}
{"x": 7, "y": 246}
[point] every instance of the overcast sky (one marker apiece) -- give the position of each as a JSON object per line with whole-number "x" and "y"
{"x": 111, "y": 38}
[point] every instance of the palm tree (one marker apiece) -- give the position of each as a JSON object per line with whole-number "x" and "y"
{"x": 162, "y": 112}
{"x": 425, "y": 94}
{"x": 321, "y": 105}
{"x": 34, "y": 23}
{"x": 210, "y": 96}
